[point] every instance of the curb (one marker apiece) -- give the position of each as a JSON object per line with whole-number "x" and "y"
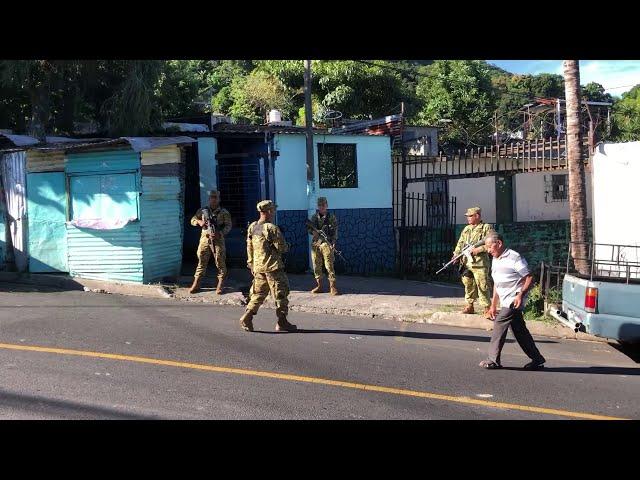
{"x": 85, "y": 284}
{"x": 160, "y": 291}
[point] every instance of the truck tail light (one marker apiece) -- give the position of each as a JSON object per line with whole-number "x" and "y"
{"x": 591, "y": 300}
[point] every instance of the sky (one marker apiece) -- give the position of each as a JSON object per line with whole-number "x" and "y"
{"x": 616, "y": 76}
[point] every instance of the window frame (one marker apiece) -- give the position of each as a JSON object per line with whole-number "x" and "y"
{"x": 320, "y": 150}
{"x": 70, "y": 176}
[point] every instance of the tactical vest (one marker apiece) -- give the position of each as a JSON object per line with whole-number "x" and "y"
{"x": 324, "y": 225}
{"x": 214, "y": 218}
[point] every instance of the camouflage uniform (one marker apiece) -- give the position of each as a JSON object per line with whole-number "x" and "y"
{"x": 265, "y": 246}
{"x": 223, "y": 225}
{"x": 321, "y": 251}
{"x": 476, "y": 277}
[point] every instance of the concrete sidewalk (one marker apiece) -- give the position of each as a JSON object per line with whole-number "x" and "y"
{"x": 390, "y": 298}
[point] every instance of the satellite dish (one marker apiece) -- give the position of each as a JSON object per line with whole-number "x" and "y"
{"x": 332, "y": 115}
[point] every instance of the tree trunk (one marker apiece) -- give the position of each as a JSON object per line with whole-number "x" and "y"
{"x": 577, "y": 195}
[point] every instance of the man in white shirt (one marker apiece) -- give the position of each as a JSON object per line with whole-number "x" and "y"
{"x": 512, "y": 281}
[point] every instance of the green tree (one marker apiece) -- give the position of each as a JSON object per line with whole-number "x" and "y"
{"x": 460, "y": 91}
{"x": 626, "y": 117}
{"x": 182, "y": 82}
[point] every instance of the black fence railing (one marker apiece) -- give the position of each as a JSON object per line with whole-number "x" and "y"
{"x": 427, "y": 235}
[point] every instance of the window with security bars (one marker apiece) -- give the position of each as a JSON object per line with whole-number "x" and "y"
{"x": 337, "y": 165}
{"x": 556, "y": 188}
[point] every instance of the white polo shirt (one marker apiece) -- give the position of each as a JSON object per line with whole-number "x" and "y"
{"x": 508, "y": 272}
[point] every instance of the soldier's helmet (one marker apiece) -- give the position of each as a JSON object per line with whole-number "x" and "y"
{"x": 214, "y": 193}
{"x": 266, "y": 205}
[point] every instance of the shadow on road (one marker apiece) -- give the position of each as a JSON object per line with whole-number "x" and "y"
{"x": 394, "y": 333}
{"x": 68, "y": 409}
{"x": 589, "y": 370}
{"x": 630, "y": 350}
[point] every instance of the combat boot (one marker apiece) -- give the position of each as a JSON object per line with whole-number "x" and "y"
{"x": 196, "y": 285}
{"x": 219, "y": 287}
{"x": 468, "y": 309}
{"x": 332, "y": 286}
{"x": 284, "y": 325}
{"x": 246, "y": 321}
{"x": 318, "y": 287}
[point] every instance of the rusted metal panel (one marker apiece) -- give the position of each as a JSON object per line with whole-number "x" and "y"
{"x": 102, "y": 161}
{"x": 39, "y": 161}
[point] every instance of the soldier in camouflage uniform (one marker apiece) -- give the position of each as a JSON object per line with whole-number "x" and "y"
{"x": 321, "y": 251}
{"x": 222, "y": 220}
{"x": 265, "y": 246}
{"x": 476, "y": 276}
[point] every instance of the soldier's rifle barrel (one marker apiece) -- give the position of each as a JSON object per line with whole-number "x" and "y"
{"x": 464, "y": 251}
{"x": 324, "y": 236}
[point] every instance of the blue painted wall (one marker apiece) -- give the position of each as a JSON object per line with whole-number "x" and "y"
{"x": 373, "y": 155}
{"x": 367, "y": 241}
{"x": 292, "y": 224}
{"x": 365, "y": 238}
{"x": 365, "y": 217}
{"x": 291, "y": 173}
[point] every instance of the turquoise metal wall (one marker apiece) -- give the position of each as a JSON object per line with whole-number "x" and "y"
{"x": 46, "y": 217}
{"x": 161, "y": 213}
{"x": 161, "y": 208}
{"x": 105, "y": 254}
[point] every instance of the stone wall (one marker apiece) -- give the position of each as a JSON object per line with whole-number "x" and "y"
{"x": 365, "y": 238}
{"x": 545, "y": 241}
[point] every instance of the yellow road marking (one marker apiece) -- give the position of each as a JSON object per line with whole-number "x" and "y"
{"x": 316, "y": 380}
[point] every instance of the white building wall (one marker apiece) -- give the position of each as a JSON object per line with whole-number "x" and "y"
{"x": 474, "y": 192}
{"x": 530, "y": 202}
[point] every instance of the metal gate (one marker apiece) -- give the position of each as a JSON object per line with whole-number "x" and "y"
{"x": 241, "y": 183}
{"x": 428, "y": 237}
{"x": 424, "y": 219}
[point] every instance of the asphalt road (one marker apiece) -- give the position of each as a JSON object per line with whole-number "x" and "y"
{"x": 180, "y": 360}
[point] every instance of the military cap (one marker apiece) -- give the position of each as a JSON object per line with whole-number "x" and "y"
{"x": 265, "y": 205}
{"x": 322, "y": 200}
{"x": 472, "y": 211}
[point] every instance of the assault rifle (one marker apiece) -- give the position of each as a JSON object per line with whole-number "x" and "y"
{"x": 211, "y": 228}
{"x": 326, "y": 239}
{"x": 465, "y": 252}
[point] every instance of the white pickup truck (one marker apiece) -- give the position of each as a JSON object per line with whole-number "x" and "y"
{"x": 605, "y": 301}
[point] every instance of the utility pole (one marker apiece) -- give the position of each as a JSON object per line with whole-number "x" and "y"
{"x": 308, "y": 118}
{"x": 577, "y": 194}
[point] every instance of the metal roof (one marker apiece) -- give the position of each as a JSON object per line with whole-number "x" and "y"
{"x": 260, "y": 129}
{"x": 137, "y": 144}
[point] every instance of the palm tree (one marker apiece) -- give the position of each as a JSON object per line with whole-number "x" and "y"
{"x": 577, "y": 195}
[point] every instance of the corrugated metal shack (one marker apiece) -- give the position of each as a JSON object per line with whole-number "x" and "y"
{"x": 107, "y": 209}
{"x": 13, "y": 249}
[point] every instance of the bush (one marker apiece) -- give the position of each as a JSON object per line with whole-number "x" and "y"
{"x": 534, "y": 307}
{"x": 554, "y": 295}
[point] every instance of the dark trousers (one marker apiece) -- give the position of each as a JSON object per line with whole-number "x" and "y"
{"x": 509, "y": 317}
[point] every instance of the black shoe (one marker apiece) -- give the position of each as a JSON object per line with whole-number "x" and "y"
{"x": 535, "y": 365}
